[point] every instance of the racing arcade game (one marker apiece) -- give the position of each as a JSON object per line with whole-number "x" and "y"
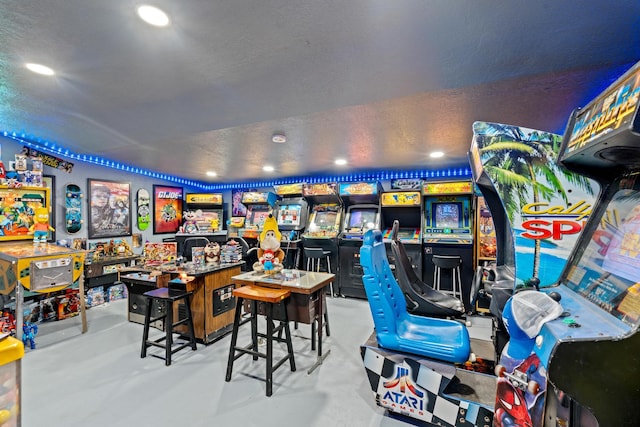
{"x": 292, "y": 214}
{"x": 362, "y": 213}
{"x": 448, "y": 230}
{"x": 406, "y": 207}
{"x": 324, "y": 221}
{"x": 593, "y": 352}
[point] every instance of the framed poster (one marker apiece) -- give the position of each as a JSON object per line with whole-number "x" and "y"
{"x": 167, "y": 209}
{"x": 109, "y": 208}
{"x": 49, "y": 181}
{"x": 237, "y": 208}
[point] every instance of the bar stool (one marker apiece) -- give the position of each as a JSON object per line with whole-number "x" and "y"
{"x": 451, "y": 263}
{"x": 270, "y": 297}
{"x": 314, "y": 259}
{"x": 167, "y": 297}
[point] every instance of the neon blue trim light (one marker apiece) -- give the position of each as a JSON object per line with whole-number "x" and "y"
{"x": 463, "y": 172}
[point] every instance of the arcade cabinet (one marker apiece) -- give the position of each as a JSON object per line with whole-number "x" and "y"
{"x": 259, "y": 206}
{"x": 292, "y": 214}
{"x": 448, "y": 230}
{"x": 362, "y": 213}
{"x": 406, "y": 207}
{"x": 324, "y": 222}
{"x": 203, "y": 217}
{"x": 592, "y": 354}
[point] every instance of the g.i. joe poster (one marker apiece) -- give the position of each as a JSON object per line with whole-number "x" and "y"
{"x": 546, "y": 204}
{"x": 167, "y": 209}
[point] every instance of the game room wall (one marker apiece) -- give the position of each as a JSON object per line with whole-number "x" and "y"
{"x": 79, "y": 175}
{"x": 82, "y": 171}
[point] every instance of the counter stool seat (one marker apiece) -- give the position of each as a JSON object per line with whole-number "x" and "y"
{"x": 270, "y": 297}
{"x": 167, "y": 297}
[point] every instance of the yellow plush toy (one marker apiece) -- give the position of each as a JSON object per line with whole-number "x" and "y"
{"x": 270, "y": 255}
{"x": 41, "y": 227}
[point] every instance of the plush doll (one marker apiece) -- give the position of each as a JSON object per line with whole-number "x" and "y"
{"x": 212, "y": 253}
{"x": 190, "y": 224}
{"x": 41, "y": 227}
{"x": 270, "y": 255}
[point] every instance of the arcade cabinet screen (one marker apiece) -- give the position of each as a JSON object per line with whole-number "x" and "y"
{"x": 256, "y": 215}
{"x": 362, "y": 218}
{"x": 447, "y": 215}
{"x": 608, "y": 272}
{"x": 325, "y": 219}
{"x": 289, "y": 215}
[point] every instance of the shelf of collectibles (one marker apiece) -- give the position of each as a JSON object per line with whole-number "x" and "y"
{"x": 101, "y": 270}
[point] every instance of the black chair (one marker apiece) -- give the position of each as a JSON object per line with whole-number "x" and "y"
{"x": 421, "y": 298}
{"x": 193, "y": 242}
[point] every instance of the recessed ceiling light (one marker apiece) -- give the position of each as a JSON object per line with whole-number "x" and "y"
{"x": 436, "y": 154}
{"x": 154, "y": 16}
{"x": 268, "y": 168}
{"x": 279, "y": 138}
{"x": 340, "y": 162}
{"x": 40, "y": 69}
{"x": 211, "y": 173}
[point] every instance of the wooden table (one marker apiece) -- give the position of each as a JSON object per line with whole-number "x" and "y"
{"x": 307, "y": 284}
{"x": 212, "y": 304}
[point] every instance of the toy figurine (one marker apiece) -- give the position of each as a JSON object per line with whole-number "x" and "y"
{"x": 190, "y": 224}
{"x": 29, "y": 331}
{"x": 41, "y": 227}
{"x": 269, "y": 261}
{"x": 212, "y": 253}
{"x": 270, "y": 255}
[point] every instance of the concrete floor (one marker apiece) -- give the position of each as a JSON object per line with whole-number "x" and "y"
{"x": 98, "y": 379}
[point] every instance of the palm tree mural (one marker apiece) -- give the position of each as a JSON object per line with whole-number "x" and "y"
{"x": 523, "y": 167}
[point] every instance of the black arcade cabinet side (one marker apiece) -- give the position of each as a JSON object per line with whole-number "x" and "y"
{"x": 323, "y": 228}
{"x": 362, "y": 213}
{"x": 292, "y": 214}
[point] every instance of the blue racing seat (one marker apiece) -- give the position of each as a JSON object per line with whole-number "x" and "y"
{"x": 395, "y": 328}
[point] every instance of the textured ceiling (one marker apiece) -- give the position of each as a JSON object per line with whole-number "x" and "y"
{"x": 380, "y": 83}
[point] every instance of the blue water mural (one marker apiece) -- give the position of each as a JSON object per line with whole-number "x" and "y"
{"x": 551, "y": 265}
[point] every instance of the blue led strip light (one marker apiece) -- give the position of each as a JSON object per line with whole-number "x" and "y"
{"x": 379, "y": 175}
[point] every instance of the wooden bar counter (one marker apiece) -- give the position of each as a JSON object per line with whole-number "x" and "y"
{"x": 212, "y": 304}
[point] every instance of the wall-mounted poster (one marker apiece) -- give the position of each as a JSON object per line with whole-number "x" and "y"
{"x": 237, "y": 208}
{"x": 109, "y": 208}
{"x": 167, "y": 209}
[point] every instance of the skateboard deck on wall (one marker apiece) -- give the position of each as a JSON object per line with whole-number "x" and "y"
{"x": 144, "y": 211}
{"x": 73, "y": 208}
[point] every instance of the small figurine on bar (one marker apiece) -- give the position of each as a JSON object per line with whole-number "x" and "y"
{"x": 212, "y": 253}
{"x": 41, "y": 227}
{"x": 270, "y": 255}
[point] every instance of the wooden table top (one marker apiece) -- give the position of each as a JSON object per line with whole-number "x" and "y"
{"x": 297, "y": 281}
